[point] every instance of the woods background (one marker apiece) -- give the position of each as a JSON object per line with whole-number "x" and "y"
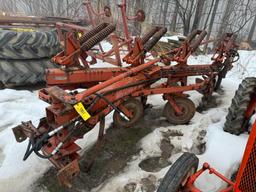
{"x": 179, "y": 16}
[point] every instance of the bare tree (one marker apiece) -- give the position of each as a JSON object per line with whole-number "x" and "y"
{"x": 185, "y": 11}
{"x": 174, "y": 18}
{"x": 216, "y": 5}
{"x": 198, "y": 14}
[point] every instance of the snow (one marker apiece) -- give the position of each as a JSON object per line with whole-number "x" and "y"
{"x": 17, "y": 106}
{"x": 223, "y": 151}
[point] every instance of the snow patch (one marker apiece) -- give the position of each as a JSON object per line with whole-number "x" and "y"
{"x": 223, "y": 151}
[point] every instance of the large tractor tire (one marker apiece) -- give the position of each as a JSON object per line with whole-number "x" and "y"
{"x": 177, "y": 176}
{"x": 236, "y": 122}
{"x": 28, "y": 45}
{"x": 23, "y": 72}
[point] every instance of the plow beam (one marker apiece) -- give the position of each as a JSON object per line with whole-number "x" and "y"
{"x": 81, "y": 78}
{"x": 132, "y": 71}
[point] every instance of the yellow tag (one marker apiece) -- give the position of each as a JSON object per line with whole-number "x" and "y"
{"x": 79, "y": 34}
{"x": 23, "y": 29}
{"x": 79, "y": 107}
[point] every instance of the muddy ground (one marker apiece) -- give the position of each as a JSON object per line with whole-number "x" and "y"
{"x": 120, "y": 145}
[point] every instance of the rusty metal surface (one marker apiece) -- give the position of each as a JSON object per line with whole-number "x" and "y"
{"x": 68, "y": 173}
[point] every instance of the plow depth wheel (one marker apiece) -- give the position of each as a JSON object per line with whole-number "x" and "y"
{"x": 179, "y": 173}
{"x": 188, "y": 109}
{"x": 135, "y": 107}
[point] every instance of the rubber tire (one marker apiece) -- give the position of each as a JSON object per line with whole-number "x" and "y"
{"x": 130, "y": 103}
{"x": 177, "y": 120}
{"x": 235, "y": 119}
{"x": 19, "y": 72}
{"x": 28, "y": 45}
{"x": 177, "y": 173}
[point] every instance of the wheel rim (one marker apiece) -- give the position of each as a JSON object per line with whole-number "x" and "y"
{"x": 185, "y": 179}
{"x": 136, "y": 109}
{"x": 187, "y": 107}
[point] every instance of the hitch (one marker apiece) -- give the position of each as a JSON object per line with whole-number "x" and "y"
{"x": 19, "y": 134}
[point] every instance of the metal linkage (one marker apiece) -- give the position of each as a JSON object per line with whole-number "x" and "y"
{"x": 187, "y": 48}
{"x": 143, "y": 45}
{"x": 76, "y": 51}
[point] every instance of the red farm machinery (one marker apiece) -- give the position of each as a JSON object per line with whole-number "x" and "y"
{"x": 183, "y": 173}
{"x": 124, "y": 90}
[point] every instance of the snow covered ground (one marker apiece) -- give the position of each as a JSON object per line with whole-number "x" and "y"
{"x": 223, "y": 151}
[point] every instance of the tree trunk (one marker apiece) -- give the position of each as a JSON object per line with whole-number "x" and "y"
{"x": 252, "y": 30}
{"x": 211, "y": 24}
{"x": 186, "y": 28}
{"x": 161, "y": 12}
{"x": 208, "y": 15}
{"x": 166, "y": 6}
{"x": 198, "y": 14}
{"x": 174, "y": 18}
{"x": 51, "y": 10}
{"x": 137, "y": 25}
{"x": 225, "y": 18}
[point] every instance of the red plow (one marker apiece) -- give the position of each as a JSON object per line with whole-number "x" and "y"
{"x": 123, "y": 90}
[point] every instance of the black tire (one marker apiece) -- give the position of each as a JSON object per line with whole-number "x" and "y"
{"x": 236, "y": 123}
{"x": 188, "y": 108}
{"x": 135, "y": 107}
{"x": 28, "y": 72}
{"x": 28, "y": 45}
{"x": 179, "y": 172}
